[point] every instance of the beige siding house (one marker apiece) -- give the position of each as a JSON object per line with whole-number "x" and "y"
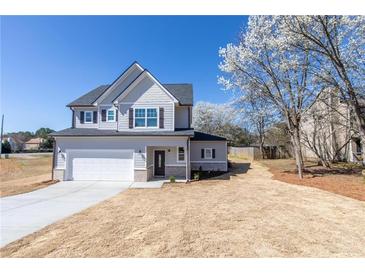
{"x": 33, "y": 144}
{"x": 328, "y": 129}
{"x": 135, "y": 129}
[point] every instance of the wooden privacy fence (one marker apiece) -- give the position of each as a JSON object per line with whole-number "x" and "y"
{"x": 249, "y": 153}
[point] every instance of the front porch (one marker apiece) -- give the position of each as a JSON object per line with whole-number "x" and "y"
{"x": 162, "y": 162}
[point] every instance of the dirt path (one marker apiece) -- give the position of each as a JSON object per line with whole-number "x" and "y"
{"x": 241, "y": 215}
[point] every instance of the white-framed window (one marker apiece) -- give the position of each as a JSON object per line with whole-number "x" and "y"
{"x": 88, "y": 117}
{"x": 110, "y": 115}
{"x": 145, "y": 117}
{"x": 208, "y": 153}
{"x": 180, "y": 154}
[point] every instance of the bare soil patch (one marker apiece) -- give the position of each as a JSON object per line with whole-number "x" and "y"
{"x": 342, "y": 179}
{"x": 20, "y": 175}
{"x": 241, "y": 214}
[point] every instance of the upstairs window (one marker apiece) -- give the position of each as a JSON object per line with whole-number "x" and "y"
{"x": 139, "y": 117}
{"x": 88, "y": 117}
{"x": 145, "y": 117}
{"x": 151, "y": 117}
{"x": 110, "y": 117}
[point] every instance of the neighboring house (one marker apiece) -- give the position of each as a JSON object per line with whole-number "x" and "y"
{"x": 329, "y": 129}
{"x": 33, "y": 144}
{"x": 15, "y": 143}
{"x": 135, "y": 129}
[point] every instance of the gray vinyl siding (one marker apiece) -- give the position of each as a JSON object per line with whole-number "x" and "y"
{"x": 182, "y": 117}
{"x": 218, "y": 163}
{"x": 121, "y": 86}
{"x": 146, "y": 94}
{"x": 137, "y": 144}
{"x": 77, "y": 118}
{"x": 106, "y": 124}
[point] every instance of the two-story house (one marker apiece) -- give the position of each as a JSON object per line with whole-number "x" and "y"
{"x": 135, "y": 129}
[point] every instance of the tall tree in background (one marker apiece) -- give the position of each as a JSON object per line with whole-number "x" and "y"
{"x": 337, "y": 47}
{"x": 221, "y": 120}
{"x": 257, "y": 115}
{"x": 262, "y": 65}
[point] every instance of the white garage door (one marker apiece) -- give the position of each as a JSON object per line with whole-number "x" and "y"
{"x": 109, "y": 165}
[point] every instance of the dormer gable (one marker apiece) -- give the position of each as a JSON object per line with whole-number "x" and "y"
{"x": 145, "y": 78}
{"x": 120, "y": 84}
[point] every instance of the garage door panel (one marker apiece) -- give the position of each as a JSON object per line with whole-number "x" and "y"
{"x": 101, "y": 165}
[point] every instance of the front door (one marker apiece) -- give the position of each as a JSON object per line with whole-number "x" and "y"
{"x": 159, "y": 163}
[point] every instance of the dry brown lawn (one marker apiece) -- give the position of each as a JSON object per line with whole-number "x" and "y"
{"x": 342, "y": 179}
{"x": 243, "y": 214}
{"x": 19, "y": 175}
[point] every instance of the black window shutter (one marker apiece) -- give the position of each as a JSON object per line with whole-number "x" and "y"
{"x": 131, "y": 118}
{"x": 116, "y": 115}
{"x": 202, "y": 153}
{"x": 213, "y": 153}
{"x": 82, "y": 117}
{"x": 103, "y": 115}
{"x": 162, "y": 118}
{"x": 95, "y": 117}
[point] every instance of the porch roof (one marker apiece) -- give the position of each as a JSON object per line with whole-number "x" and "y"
{"x": 105, "y": 132}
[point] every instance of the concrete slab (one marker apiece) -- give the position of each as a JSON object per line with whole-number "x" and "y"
{"x": 26, "y": 213}
{"x": 151, "y": 184}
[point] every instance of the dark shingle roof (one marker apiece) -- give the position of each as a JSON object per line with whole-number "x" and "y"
{"x": 90, "y": 97}
{"x": 182, "y": 92}
{"x": 105, "y": 132}
{"x": 200, "y": 136}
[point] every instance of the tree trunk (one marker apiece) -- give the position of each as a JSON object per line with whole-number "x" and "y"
{"x": 295, "y": 137}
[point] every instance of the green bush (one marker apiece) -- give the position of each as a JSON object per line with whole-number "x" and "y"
{"x": 172, "y": 179}
{"x": 6, "y": 148}
{"x": 196, "y": 176}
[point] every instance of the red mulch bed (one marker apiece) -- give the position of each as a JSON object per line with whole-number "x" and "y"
{"x": 342, "y": 181}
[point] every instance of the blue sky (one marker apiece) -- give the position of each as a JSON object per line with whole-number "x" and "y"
{"x": 46, "y": 62}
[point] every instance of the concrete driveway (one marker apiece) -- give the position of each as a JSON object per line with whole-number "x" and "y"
{"x": 26, "y": 213}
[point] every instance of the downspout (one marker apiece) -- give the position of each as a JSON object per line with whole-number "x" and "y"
{"x": 53, "y": 158}
{"x": 188, "y": 159}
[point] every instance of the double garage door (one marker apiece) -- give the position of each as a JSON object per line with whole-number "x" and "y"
{"x": 108, "y": 165}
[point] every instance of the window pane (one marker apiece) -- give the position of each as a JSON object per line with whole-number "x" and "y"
{"x": 139, "y": 122}
{"x": 152, "y": 122}
{"x": 181, "y": 154}
{"x": 208, "y": 153}
{"x": 88, "y": 117}
{"x": 140, "y": 112}
{"x": 111, "y": 115}
{"x": 151, "y": 112}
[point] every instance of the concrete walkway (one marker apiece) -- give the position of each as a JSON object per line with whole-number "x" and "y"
{"x": 26, "y": 213}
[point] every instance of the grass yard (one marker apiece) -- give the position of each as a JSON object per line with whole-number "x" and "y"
{"x": 24, "y": 174}
{"x": 343, "y": 179}
{"x": 241, "y": 214}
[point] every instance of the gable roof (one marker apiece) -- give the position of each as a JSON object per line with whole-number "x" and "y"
{"x": 89, "y": 98}
{"x": 183, "y": 93}
{"x": 145, "y": 73}
{"x": 35, "y": 141}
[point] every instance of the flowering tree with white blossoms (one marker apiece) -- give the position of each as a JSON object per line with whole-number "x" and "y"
{"x": 221, "y": 120}
{"x": 257, "y": 116}
{"x": 262, "y": 65}
{"x": 337, "y": 47}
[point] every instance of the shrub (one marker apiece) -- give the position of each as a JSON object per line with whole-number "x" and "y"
{"x": 6, "y": 148}
{"x": 172, "y": 179}
{"x": 196, "y": 176}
